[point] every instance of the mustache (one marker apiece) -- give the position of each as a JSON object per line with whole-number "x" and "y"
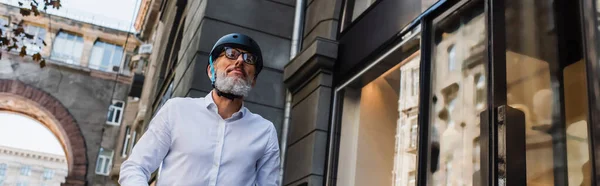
{"x": 236, "y": 68}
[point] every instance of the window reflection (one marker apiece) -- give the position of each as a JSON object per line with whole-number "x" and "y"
{"x": 458, "y": 75}
{"x": 552, "y": 95}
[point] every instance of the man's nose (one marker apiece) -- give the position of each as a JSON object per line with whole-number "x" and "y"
{"x": 239, "y": 61}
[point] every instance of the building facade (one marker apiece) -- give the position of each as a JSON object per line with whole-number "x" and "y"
{"x": 80, "y": 95}
{"x": 181, "y": 34}
{"x": 24, "y": 167}
{"x": 472, "y": 92}
{"x": 468, "y": 92}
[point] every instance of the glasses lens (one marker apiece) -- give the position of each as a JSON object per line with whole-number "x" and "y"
{"x": 249, "y": 58}
{"x": 231, "y": 53}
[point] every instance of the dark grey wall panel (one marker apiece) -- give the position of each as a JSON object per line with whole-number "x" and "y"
{"x": 326, "y": 29}
{"x": 306, "y": 157}
{"x": 286, "y": 2}
{"x": 319, "y": 11}
{"x": 265, "y": 16}
{"x": 310, "y": 114}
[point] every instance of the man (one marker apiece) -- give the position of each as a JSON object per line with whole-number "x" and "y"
{"x": 213, "y": 140}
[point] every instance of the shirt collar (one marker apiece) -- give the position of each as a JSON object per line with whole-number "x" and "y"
{"x": 209, "y": 103}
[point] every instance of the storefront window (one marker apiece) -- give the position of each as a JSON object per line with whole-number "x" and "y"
{"x": 458, "y": 72}
{"x": 551, "y": 93}
{"x": 379, "y": 131}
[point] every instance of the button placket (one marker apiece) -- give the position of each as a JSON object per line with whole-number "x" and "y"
{"x": 218, "y": 152}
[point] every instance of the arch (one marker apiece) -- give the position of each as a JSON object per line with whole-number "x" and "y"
{"x": 18, "y": 97}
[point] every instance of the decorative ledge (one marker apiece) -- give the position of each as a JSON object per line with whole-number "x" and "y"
{"x": 320, "y": 55}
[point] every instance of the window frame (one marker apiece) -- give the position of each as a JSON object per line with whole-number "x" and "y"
{"x": 48, "y": 174}
{"x": 36, "y": 39}
{"x": 120, "y": 117}
{"x": 106, "y": 160}
{"x": 126, "y": 139}
{"x": 25, "y": 170}
{"x": 412, "y": 32}
{"x": 66, "y": 59}
{"x": 120, "y": 63}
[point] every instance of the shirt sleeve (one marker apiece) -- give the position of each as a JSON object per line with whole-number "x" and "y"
{"x": 269, "y": 163}
{"x": 149, "y": 151}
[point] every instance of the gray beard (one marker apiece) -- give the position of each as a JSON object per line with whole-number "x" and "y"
{"x": 233, "y": 85}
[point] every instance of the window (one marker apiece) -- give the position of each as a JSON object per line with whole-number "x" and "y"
{"x": 3, "y": 168}
{"x": 125, "y": 149}
{"x": 167, "y": 94}
{"x": 35, "y": 45}
{"x": 26, "y": 170}
{"x": 22, "y": 183}
{"x": 67, "y": 48}
{"x": 353, "y": 9}
{"x": 48, "y": 174}
{"x": 133, "y": 139}
{"x": 375, "y": 133}
{"x": 104, "y": 162}
{"x": 480, "y": 92}
{"x": 4, "y": 25}
{"x": 360, "y": 6}
{"x": 414, "y": 133}
{"x": 415, "y": 81}
{"x": 106, "y": 57}
{"x": 452, "y": 58}
{"x": 115, "y": 113}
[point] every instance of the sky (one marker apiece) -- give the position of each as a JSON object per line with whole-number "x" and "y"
{"x": 20, "y": 131}
{"x": 118, "y": 14}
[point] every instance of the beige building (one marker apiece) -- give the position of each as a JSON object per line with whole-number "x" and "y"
{"x": 84, "y": 89}
{"x": 24, "y": 167}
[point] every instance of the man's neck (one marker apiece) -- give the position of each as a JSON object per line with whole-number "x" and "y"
{"x": 225, "y": 106}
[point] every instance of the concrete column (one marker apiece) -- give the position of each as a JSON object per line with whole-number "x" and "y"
{"x": 88, "y": 43}
{"x": 49, "y": 38}
{"x": 309, "y": 77}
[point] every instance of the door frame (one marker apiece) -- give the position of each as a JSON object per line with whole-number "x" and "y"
{"x": 591, "y": 50}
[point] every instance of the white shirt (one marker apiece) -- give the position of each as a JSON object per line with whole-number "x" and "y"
{"x": 197, "y": 147}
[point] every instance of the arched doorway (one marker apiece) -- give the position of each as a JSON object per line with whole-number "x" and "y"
{"x": 18, "y": 97}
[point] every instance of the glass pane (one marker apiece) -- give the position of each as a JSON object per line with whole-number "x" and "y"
{"x": 99, "y": 164}
{"x": 118, "y": 116}
{"x": 376, "y": 146}
{"x": 458, "y": 54}
{"x": 360, "y": 6}
{"x": 111, "y": 113}
{"x": 77, "y": 49}
{"x": 552, "y": 95}
{"x": 117, "y": 56}
{"x": 96, "y": 56}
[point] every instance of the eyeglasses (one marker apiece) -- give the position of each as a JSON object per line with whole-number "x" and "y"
{"x": 233, "y": 54}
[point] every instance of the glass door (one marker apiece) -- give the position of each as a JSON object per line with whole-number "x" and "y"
{"x": 457, "y": 96}
{"x": 540, "y": 97}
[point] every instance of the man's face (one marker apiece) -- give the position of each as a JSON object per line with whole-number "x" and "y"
{"x": 233, "y": 75}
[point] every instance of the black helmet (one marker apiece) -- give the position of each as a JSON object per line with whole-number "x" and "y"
{"x": 241, "y": 41}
